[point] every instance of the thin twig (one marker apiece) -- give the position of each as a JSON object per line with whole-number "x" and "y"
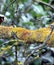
{"x": 44, "y": 3}
{"x": 48, "y": 37}
{"x": 16, "y": 54}
{"x": 9, "y": 5}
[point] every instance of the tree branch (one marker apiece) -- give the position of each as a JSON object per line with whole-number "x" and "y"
{"x": 44, "y": 3}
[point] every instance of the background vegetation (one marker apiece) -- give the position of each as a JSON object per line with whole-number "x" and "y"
{"x": 30, "y": 14}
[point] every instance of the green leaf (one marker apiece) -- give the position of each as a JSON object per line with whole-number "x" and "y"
{"x": 46, "y": 1}
{"x": 28, "y": 23}
{"x": 1, "y": 41}
{"x": 33, "y": 13}
{"x": 22, "y": 1}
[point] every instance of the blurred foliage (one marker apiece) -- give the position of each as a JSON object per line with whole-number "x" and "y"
{"x": 19, "y": 12}
{"x": 23, "y": 13}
